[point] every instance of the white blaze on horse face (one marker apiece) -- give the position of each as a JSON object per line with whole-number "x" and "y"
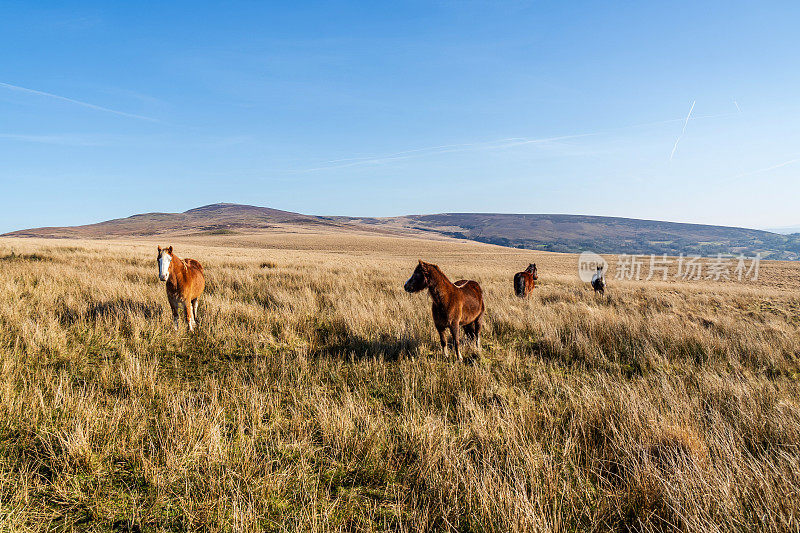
{"x": 163, "y": 266}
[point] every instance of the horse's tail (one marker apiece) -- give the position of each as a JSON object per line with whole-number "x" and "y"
{"x": 469, "y": 331}
{"x": 519, "y": 285}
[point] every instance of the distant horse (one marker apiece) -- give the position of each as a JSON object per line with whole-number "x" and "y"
{"x": 185, "y": 284}
{"x": 599, "y": 281}
{"x": 525, "y": 281}
{"x": 455, "y": 305}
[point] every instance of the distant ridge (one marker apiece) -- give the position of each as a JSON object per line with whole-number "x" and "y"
{"x": 576, "y": 233}
{"x": 785, "y": 230}
{"x": 557, "y": 233}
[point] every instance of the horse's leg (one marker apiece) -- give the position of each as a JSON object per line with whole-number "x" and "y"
{"x": 477, "y": 330}
{"x": 443, "y": 340}
{"x": 194, "y": 311}
{"x": 455, "y": 333}
{"x": 174, "y": 314}
{"x": 189, "y": 315}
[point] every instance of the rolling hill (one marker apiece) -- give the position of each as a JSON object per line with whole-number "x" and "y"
{"x": 556, "y": 233}
{"x": 215, "y": 218}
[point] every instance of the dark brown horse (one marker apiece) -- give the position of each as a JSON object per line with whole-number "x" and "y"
{"x": 525, "y": 281}
{"x": 455, "y": 305}
{"x": 599, "y": 281}
{"x": 185, "y": 284}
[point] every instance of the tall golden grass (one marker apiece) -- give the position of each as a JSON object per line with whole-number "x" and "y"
{"x": 314, "y": 396}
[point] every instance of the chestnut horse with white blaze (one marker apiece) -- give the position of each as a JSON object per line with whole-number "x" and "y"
{"x": 525, "y": 281}
{"x": 185, "y": 284}
{"x": 455, "y": 305}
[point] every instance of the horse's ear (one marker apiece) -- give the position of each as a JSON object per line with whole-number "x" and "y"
{"x": 170, "y": 250}
{"x": 159, "y": 248}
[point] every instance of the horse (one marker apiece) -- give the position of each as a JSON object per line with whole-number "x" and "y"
{"x": 525, "y": 281}
{"x": 599, "y": 281}
{"x": 185, "y": 283}
{"x": 455, "y": 305}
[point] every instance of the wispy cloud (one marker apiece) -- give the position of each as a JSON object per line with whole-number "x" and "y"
{"x": 60, "y": 139}
{"x": 140, "y": 141}
{"x": 685, "y": 122}
{"x": 76, "y": 102}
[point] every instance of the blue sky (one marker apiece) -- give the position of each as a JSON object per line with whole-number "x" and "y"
{"x": 385, "y": 108}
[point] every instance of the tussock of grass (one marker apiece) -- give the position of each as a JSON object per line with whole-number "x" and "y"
{"x": 314, "y": 397}
{"x": 24, "y": 257}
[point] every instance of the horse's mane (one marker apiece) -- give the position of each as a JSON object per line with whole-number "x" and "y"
{"x": 435, "y": 272}
{"x": 188, "y": 263}
{"x": 435, "y": 268}
{"x": 193, "y": 264}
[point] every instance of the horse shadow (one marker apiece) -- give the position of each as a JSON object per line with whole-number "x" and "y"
{"x": 359, "y": 347}
{"x": 114, "y": 309}
{"x": 120, "y": 308}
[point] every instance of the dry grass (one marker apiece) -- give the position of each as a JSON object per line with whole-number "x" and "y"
{"x": 314, "y": 397}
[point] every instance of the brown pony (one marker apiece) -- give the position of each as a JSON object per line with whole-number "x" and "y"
{"x": 185, "y": 284}
{"x": 525, "y": 281}
{"x": 455, "y": 305}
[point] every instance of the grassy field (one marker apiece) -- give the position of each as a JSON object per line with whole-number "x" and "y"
{"x": 314, "y": 396}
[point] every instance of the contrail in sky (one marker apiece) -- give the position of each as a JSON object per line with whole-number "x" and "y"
{"x": 435, "y": 150}
{"x": 767, "y": 169}
{"x": 488, "y": 145}
{"x": 76, "y": 102}
{"x": 685, "y": 122}
{"x": 739, "y": 109}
